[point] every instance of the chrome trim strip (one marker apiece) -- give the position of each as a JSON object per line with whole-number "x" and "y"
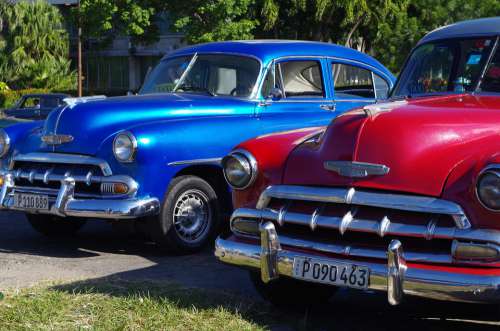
{"x": 357, "y": 251}
{"x": 439, "y": 285}
{"x": 87, "y": 180}
{"x": 59, "y": 158}
{"x": 214, "y": 160}
{"x": 354, "y": 169}
{"x": 370, "y": 226}
{"x": 364, "y": 198}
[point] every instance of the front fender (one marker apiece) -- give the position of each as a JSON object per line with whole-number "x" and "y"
{"x": 22, "y": 135}
{"x": 460, "y": 187}
{"x": 271, "y": 152}
{"x": 168, "y": 147}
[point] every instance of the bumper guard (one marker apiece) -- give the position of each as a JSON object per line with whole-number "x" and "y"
{"x": 395, "y": 277}
{"x": 66, "y": 204}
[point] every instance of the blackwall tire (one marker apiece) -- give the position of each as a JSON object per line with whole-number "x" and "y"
{"x": 189, "y": 217}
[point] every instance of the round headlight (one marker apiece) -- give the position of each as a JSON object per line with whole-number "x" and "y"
{"x": 240, "y": 169}
{"x": 125, "y": 147}
{"x": 488, "y": 189}
{"x": 4, "y": 143}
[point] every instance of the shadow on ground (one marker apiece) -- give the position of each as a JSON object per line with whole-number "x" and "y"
{"x": 121, "y": 265}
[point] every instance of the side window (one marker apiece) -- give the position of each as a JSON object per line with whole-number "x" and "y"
{"x": 30, "y": 102}
{"x": 300, "y": 79}
{"x": 491, "y": 80}
{"x": 352, "y": 82}
{"x": 381, "y": 87}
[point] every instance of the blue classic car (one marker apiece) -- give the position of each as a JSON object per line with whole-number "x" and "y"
{"x": 155, "y": 158}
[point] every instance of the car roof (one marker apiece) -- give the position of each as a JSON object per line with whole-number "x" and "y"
{"x": 42, "y": 95}
{"x": 267, "y": 50}
{"x": 473, "y": 28}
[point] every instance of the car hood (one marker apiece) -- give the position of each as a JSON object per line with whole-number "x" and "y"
{"x": 91, "y": 123}
{"x": 421, "y": 141}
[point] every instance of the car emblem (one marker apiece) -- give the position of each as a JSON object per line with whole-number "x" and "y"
{"x": 57, "y": 139}
{"x": 356, "y": 169}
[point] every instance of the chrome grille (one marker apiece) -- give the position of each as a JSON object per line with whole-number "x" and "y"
{"x": 360, "y": 223}
{"x": 44, "y": 173}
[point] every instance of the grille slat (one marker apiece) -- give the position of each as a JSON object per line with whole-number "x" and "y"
{"x": 362, "y": 223}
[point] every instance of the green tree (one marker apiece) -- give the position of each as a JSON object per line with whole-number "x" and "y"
{"x": 34, "y": 47}
{"x": 345, "y": 21}
{"x": 103, "y": 20}
{"x": 396, "y": 36}
{"x": 213, "y": 20}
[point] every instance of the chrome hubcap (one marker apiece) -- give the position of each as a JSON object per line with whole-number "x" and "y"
{"x": 192, "y": 216}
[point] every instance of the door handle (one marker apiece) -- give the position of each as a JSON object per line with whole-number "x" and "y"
{"x": 328, "y": 107}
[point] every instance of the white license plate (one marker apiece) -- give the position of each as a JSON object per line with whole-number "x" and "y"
{"x": 31, "y": 201}
{"x": 339, "y": 274}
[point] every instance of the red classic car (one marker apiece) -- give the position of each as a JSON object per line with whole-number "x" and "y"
{"x": 402, "y": 196}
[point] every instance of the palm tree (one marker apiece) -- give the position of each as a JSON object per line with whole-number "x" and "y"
{"x": 35, "y": 46}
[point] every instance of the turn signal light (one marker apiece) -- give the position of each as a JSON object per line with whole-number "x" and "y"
{"x": 114, "y": 188}
{"x": 475, "y": 251}
{"x": 1, "y": 180}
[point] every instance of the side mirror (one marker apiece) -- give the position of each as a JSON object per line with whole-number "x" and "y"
{"x": 275, "y": 94}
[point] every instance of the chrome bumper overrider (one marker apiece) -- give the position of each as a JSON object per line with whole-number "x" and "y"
{"x": 65, "y": 204}
{"x": 395, "y": 277}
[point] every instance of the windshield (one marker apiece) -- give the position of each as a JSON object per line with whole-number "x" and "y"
{"x": 450, "y": 66}
{"x": 213, "y": 74}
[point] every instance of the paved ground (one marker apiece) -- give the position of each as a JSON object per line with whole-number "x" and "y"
{"x": 27, "y": 258}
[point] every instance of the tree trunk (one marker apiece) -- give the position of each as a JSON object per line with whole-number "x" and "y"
{"x": 354, "y": 28}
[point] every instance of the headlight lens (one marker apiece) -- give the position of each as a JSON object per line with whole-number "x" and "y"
{"x": 4, "y": 143}
{"x": 488, "y": 189}
{"x": 125, "y": 147}
{"x": 240, "y": 169}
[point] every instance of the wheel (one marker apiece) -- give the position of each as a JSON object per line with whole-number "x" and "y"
{"x": 288, "y": 292}
{"x": 189, "y": 216}
{"x": 53, "y": 226}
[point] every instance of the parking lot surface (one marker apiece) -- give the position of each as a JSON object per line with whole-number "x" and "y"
{"x": 27, "y": 258}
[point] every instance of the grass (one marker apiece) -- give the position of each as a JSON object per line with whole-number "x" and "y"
{"x": 119, "y": 305}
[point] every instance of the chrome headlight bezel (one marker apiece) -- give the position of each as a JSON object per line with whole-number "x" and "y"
{"x": 4, "y": 143}
{"x": 248, "y": 162}
{"x": 491, "y": 172}
{"x": 132, "y": 146}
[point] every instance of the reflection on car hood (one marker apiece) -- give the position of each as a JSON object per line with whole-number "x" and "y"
{"x": 92, "y": 122}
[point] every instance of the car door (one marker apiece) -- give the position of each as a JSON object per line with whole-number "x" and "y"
{"x": 356, "y": 85}
{"x": 296, "y": 94}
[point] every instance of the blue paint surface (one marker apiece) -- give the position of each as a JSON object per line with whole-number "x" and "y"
{"x": 172, "y": 127}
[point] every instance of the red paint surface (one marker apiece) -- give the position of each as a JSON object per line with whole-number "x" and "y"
{"x": 271, "y": 152}
{"x": 433, "y": 146}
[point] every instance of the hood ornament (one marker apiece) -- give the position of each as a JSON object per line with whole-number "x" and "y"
{"x": 354, "y": 169}
{"x": 72, "y": 102}
{"x": 57, "y": 139}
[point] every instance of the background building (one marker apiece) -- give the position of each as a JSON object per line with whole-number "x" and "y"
{"x": 121, "y": 66}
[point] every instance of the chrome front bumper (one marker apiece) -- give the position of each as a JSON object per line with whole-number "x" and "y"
{"x": 65, "y": 204}
{"x": 395, "y": 277}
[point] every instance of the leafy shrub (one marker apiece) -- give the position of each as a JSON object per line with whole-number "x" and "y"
{"x": 4, "y": 86}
